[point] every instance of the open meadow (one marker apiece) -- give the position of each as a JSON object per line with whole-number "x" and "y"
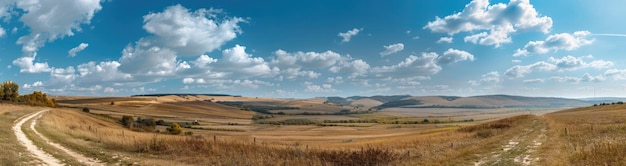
{"x": 248, "y": 131}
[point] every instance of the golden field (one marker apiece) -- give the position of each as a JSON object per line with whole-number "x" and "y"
{"x": 229, "y": 135}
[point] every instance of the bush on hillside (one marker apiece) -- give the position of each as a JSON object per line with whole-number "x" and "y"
{"x": 175, "y": 129}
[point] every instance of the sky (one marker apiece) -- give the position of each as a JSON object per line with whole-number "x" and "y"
{"x": 300, "y": 49}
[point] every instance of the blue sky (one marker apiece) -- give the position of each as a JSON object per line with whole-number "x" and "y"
{"x": 315, "y": 48}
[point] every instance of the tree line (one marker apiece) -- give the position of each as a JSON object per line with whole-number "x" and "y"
{"x": 9, "y": 91}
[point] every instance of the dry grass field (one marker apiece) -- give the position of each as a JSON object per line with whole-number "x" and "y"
{"x": 586, "y": 136}
{"x": 12, "y": 152}
{"x": 228, "y": 135}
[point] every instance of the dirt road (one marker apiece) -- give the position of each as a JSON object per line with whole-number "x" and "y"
{"x": 46, "y": 158}
{"x": 520, "y": 149}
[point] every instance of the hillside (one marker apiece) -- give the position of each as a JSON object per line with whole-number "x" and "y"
{"x": 489, "y": 101}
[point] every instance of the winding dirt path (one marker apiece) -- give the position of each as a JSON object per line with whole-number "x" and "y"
{"x": 519, "y": 149}
{"x": 46, "y": 158}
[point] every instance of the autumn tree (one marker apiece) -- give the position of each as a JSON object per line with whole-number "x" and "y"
{"x": 10, "y": 91}
{"x": 175, "y": 129}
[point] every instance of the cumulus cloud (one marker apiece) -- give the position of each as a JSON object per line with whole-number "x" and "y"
{"x": 393, "y": 48}
{"x": 445, "y": 40}
{"x": 346, "y": 36}
{"x": 235, "y": 60}
{"x": 412, "y": 65}
{"x": 324, "y": 88}
{"x": 519, "y": 71}
{"x": 178, "y": 31}
{"x": 566, "y": 63}
{"x": 572, "y": 63}
{"x": 293, "y": 73}
{"x": 336, "y": 80}
{"x": 2, "y": 32}
{"x": 616, "y": 74}
{"x": 27, "y": 65}
{"x": 453, "y": 56}
{"x": 354, "y": 68}
{"x": 556, "y": 42}
{"x": 77, "y": 49}
{"x": 308, "y": 60}
{"x": 152, "y": 61}
{"x": 491, "y": 77}
{"x": 500, "y": 20}
{"x": 51, "y": 20}
{"x": 33, "y": 85}
{"x": 191, "y": 33}
{"x": 93, "y": 73}
{"x": 110, "y": 90}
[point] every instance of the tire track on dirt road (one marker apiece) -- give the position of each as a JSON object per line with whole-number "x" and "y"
{"x": 45, "y": 157}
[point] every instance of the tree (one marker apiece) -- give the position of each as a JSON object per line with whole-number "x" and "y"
{"x": 127, "y": 121}
{"x": 10, "y": 91}
{"x": 175, "y": 129}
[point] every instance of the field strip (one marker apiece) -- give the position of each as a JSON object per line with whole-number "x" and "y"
{"x": 75, "y": 155}
{"x": 46, "y": 158}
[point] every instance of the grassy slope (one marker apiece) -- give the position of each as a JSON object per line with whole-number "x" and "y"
{"x": 586, "y": 136}
{"x": 12, "y": 152}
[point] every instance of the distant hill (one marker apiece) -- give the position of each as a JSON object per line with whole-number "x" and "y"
{"x": 178, "y": 94}
{"x": 487, "y": 101}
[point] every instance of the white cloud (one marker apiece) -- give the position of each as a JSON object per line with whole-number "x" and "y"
{"x": 63, "y": 77}
{"x": 412, "y": 65}
{"x": 293, "y": 73}
{"x": 346, "y": 36}
{"x": 336, "y": 80}
{"x": 445, "y": 40}
{"x": 499, "y": 19}
{"x": 307, "y": 60}
{"x": 324, "y": 88}
{"x": 393, "y": 48}
{"x": 585, "y": 78}
{"x": 110, "y": 90}
{"x": 27, "y": 65}
{"x": 453, "y": 56}
{"x": 50, "y": 20}
{"x": 533, "y": 81}
{"x": 191, "y": 33}
{"x": 188, "y": 80}
{"x": 566, "y": 63}
{"x": 236, "y": 61}
{"x": 556, "y": 42}
{"x": 519, "y": 71}
{"x": 35, "y": 84}
{"x": 2, "y": 32}
{"x": 94, "y": 73}
{"x": 77, "y": 49}
{"x": 616, "y": 74}
{"x": 516, "y": 61}
{"x": 151, "y": 61}
{"x": 491, "y": 77}
{"x": 177, "y": 31}
{"x": 354, "y": 68}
